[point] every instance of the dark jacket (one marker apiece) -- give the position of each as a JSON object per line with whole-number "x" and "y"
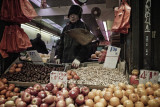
{"x": 39, "y": 45}
{"x": 70, "y": 49}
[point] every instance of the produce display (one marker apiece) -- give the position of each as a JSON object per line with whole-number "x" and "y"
{"x": 7, "y": 90}
{"x": 122, "y": 95}
{"x": 97, "y": 75}
{"x": 31, "y": 73}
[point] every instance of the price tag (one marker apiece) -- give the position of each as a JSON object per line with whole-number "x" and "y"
{"x": 36, "y": 59}
{"x": 111, "y": 57}
{"x": 58, "y": 76}
{"x": 148, "y": 75}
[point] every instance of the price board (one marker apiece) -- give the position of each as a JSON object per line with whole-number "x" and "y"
{"x": 112, "y": 57}
{"x": 148, "y": 75}
{"x": 36, "y": 59}
{"x": 58, "y": 76}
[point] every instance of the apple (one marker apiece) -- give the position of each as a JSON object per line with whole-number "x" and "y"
{"x": 9, "y": 103}
{"x": 44, "y": 105}
{"x": 49, "y": 87}
{"x": 21, "y": 104}
{"x": 65, "y": 93}
{"x": 76, "y": 88}
{"x": 36, "y": 101}
{"x": 71, "y": 105}
{"x": 61, "y": 103}
{"x": 80, "y": 99}
{"x": 2, "y": 105}
{"x": 28, "y": 90}
{"x": 69, "y": 101}
{"x": 59, "y": 98}
{"x": 73, "y": 93}
{"x": 42, "y": 94}
{"x": 55, "y": 90}
{"x": 59, "y": 93}
{"x": 33, "y": 92}
{"x": 60, "y": 85}
{"x": 53, "y": 104}
{"x": 71, "y": 85}
{"x": 31, "y": 105}
{"x": 37, "y": 87}
{"x": 49, "y": 99}
{"x": 84, "y": 90}
{"x": 48, "y": 93}
{"x": 2, "y": 100}
{"x": 18, "y": 100}
{"x": 26, "y": 97}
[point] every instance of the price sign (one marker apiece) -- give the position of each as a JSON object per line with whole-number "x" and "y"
{"x": 58, "y": 76}
{"x": 36, "y": 59}
{"x": 111, "y": 57}
{"x": 148, "y": 75}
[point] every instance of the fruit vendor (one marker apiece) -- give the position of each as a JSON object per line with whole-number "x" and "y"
{"x": 70, "y": 51}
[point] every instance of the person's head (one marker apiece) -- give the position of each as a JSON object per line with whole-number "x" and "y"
{"x": 38, "y": 36}
{"x": 75, "y": 13}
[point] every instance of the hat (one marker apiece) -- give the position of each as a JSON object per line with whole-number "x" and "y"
{"x": 75, "y": 9}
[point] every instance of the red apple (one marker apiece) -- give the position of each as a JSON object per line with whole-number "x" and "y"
{"x": 49, "y": 99}
{"x": 80, "y": 99}
{"x": 31, "y": 105}
{"x": 9, "y": 103}
{"x": 33, "y": 92}
{"x": 84, "y": 90}
{"x": 69, "y": 101}
{"x": 48, "y": 93}
{"x": 2, "y": 100}
{"x": 28, "y": 90}
{"x": 71, "y": 85}
{"x": 53, "y": 104}
{"x": 61, "y": 103}
{"x": 59, "y": 98}
{"x": 65, "y": 93}
{"x": 36, "y": 101}
{"x": 76, "y": 88}
{"x": 59, "y": 93}
{"x": 55, "y": 90}
{"x": 21, "y": 104}
{"x": 73, "y": 93}
{"x": 38, "y": 87}
{"x": 26, "y": 97}
{"x": 44, "y": 105}
{"x": 42, "y": 94}
{"x": 71, "y": 105}
{"x": 60, "y": 85}
{"x": 18, "y": 100}
{"x": 49, "y": 87}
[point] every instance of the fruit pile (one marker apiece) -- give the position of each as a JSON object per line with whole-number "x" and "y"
{"x": 7, "y": 90}
{"x": 32, "y": 73}
{"x": 122, "y": 95}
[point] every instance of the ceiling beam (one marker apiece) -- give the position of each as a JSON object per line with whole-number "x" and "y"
{"x": 63, "y": 10}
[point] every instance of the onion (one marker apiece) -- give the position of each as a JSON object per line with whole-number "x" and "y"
{"x": 99, "y": 104}
{"x": 128, "y": 92}
{"x": 98, "y": 92}
{"x": 117, "y": 88}
{"x": 114, "y": 101}
{"x": 122, "y": 85}
{"x": 128, "y": 103}
{"x": 91, "y": 95}
{"x": 148, "y": 84}
{"x": 130, "y": 87}
{"x": 97, "y": 99}
{"x": 103, "y": 101}
{"x": 101, "y": 94}
{"x": 141, "y": 86}
{"x": 124, "y": 98}
{"x": 108, "y": 95}
{"x": 155, "y": 86}
{"x": 144, "y": 99}
{"x": 133, "y": 97}
{"x": 118, "y": 94}
{"x": 149, "y": 91}
{"x": 111, "y": 86}
{"x": 139, "y": 104}
{"x": 153, "y": 103}
{"x": 89, "y": 102}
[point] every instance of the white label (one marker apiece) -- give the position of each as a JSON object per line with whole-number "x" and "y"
{"x": 148, "y": 75}
{"x": 36, "y": 59}
{"x": 111, "y": 57}
{"x": 58, "y": 76}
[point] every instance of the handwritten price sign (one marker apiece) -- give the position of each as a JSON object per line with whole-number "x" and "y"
{"x": 58, "y": 76}
{"x": 148, "y": 75}
{"x": 36, "y": 59}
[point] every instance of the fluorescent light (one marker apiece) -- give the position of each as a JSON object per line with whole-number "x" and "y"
{"x": 38, "y": 3}
{"x": 106, "y": 30}
{"x": 53, "y": 24}
{"x": 74, "y": 2}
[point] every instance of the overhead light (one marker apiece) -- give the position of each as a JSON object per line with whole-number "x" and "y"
{"x": 105, "y": 28}
{"x": 38, "y": 3}
{"x": 53, "y": 24}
